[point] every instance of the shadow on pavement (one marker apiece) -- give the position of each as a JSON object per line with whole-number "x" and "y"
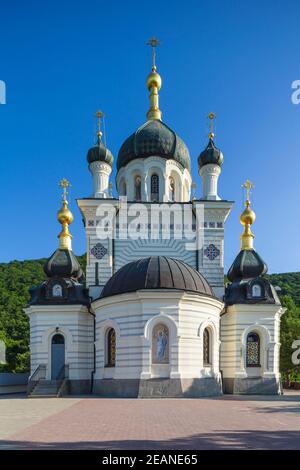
{"x": 218, "y": 440}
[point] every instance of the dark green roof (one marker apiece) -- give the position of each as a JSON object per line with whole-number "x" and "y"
{"x": 63, "y": 263}
{"x": 156, "y": 272}
{"x": 154, "y": 138}
{"x": 246, "y": 271}
{"x": 247, "y": 265}
{"x": 210, "y": 155}
{"x": 99, "y": 153}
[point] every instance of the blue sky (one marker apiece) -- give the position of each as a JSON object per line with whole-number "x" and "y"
{"x": 63, "y": 60}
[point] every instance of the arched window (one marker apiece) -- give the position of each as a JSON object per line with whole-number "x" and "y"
{"x": 57, "y": 290}
{"x": 171, "y": 189}
{"x": 253, "y": 350}
{"x": 154, "y": 188}
{"x": 110, "y": 348}
{"x": 160, "y": 344}
{"x": 138, "y": 188}
{"x": 57, "y": 356}
{"x": 256, "y": 290}
{"x": 58, "y": 339}
{"x": 206, "y": 347}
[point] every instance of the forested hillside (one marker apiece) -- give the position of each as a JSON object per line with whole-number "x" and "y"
{"x": 289, "y": 284}
{"x": 17, "y": 276}
{"x": 15, "y": 279}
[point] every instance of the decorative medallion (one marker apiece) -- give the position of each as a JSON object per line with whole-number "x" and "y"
{"x": 99, "y": 251}
{"x": 212, "y": 252}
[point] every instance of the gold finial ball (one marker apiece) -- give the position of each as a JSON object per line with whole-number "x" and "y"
{"x": 154, "y": 80}
{"x": 64, "y": 215}
{"x": 248, "y": 216}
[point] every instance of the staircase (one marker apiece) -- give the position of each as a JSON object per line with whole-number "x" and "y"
{"x": 40, "y": 387}
{"x": 46, "y": 388}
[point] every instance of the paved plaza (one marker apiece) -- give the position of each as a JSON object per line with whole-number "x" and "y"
{"x": 160, "y": 424}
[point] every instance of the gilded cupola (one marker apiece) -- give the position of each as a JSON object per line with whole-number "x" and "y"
{"x": 154, "y": 137}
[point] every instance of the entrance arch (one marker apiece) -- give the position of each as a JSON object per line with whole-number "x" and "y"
{"x": 57, "y": 355}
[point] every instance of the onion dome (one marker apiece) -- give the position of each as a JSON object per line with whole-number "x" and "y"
{"x": 210, "y": 155}
{"x": 63, "y": 263}
{"x": 154, "y": 138}
{"x": 64, "y": 284}
{"x": 246, "y": 273}
{"x": 247, "y": 265}
{"x": 156, "y": 272}
{"x": 99, "y": 153}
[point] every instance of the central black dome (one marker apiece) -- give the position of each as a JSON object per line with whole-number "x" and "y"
{"x": 154, "y": 138}
{"x": 156, "y": 272}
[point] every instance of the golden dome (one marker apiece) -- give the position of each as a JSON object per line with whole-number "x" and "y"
{"x": 248, "y": 216}
{"x": 154, "y": 80}
{"x": 64, "y": 215}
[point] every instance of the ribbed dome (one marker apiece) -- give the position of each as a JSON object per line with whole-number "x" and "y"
{"x": 154, "y": 138}
{"x": 210, "y": 155}
{"x": 63, "y": 263}
{"x": 247, "y": 265}
{"x": 99, "y": 153}
{"x": 156, "y": 272}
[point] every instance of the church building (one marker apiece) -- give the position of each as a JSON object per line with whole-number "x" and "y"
{"x": 152, "y": 315}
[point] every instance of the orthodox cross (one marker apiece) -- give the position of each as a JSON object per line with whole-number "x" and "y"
{"x": 248, "y": 186}
{"x": 211, "y": 118}
{"x": 64, "y": 183}
{"x": 99, "y": 115}
{"x": 153, "y": 42}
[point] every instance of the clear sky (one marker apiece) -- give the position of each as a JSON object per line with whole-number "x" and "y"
{"x": 63, "y": 60}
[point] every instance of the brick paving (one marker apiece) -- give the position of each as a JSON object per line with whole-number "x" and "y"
{"x": 96, "y": 423}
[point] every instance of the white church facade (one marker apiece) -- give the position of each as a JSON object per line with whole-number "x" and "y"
{"x": 151, "y": 316}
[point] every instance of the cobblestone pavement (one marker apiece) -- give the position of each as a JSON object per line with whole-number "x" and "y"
{"x": 97, "y": 423}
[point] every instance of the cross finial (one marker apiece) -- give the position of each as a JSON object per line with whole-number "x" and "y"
{"x": 248, "y": 186}
{"x": 211, "y": 118}
{"x": 153, "y": 42}
{"x": 65, "y": 184}
{"x": 99, "y": 115}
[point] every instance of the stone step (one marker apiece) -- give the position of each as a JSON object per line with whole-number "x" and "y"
{"x": 44, "y": 391}
{"x": 47, "y": 387}
{"x": 43, "y": 396}
{"x": 48, "y": 382}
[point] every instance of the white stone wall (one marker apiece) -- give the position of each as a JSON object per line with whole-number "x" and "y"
{"x": 100, "y": 172}
{"x": 76, "y": 324}
{"x": 210, "y": 174}
{"x": 145, "y": 168}
{"x": 134, "y": 315}
{"x": 121, "y": 251}
{"x": 236, "y": 323}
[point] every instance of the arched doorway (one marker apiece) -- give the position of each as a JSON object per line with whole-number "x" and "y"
{"x": 57, "y": 355}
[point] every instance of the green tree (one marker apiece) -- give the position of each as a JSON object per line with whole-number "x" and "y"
{"x": 16, "y": 278}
